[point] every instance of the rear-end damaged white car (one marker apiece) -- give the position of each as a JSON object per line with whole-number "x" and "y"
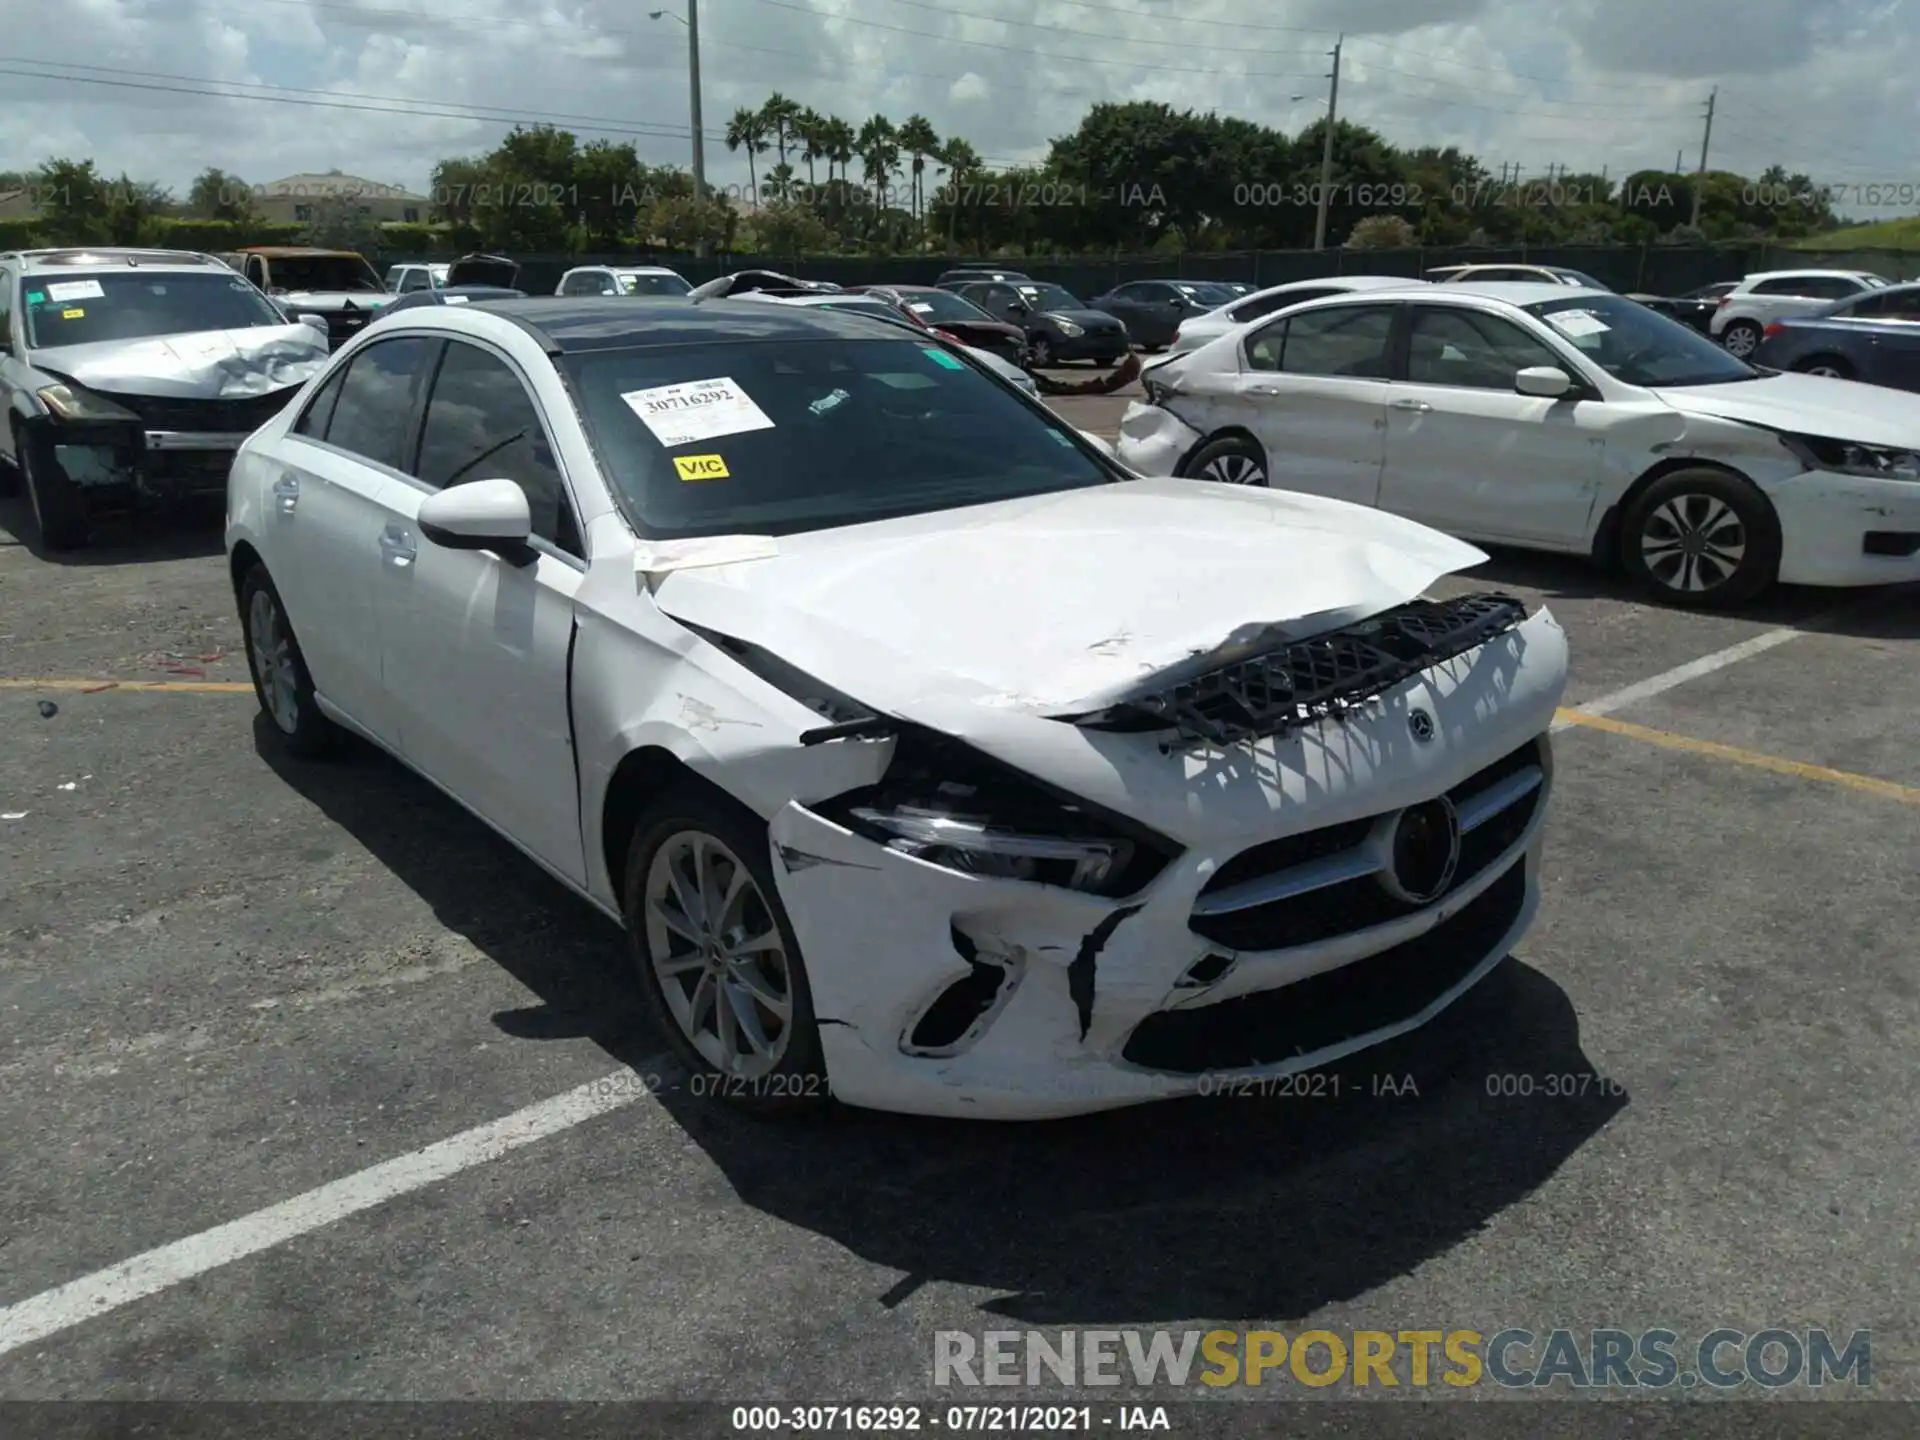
{"x": 1552, "y": 418}
{"x": 930, "y": 760}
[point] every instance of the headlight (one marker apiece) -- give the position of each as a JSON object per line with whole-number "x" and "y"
{"x": 1843, "y": 457}
{"x": 948, "y": 804}
{"x": 1069, "y": 329}
{"x": 71, "y": 403}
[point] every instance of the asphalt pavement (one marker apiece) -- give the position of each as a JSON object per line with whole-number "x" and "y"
{"x": 236, "y": 987}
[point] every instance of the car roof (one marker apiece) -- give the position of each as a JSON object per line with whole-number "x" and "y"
{"x": 580, "y": 324}
{"x": 1808, "y": 275}
{"x": 292, "y": 252}
{"x": 1515, "y": 292}
{"x": 626, "y": 269}
{"x": 110, "y": 255}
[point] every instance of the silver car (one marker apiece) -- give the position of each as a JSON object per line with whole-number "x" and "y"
{"x": 135, "y": 373}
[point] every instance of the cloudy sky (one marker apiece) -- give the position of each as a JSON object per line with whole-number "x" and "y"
{"x": 384, "y": 88}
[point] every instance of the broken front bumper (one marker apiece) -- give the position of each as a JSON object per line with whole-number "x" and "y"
{"x": 942, "y": 993}
{"x": 157, "y": 463}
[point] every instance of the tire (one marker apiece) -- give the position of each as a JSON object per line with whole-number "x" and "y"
{"x": 59, "y": 507}
{"x": 1829, "y": 365}
{"x": 1735, "y": 552}
{"x": 1741, "y": 338}
{"x": 1042, "y": 353}
{"x": 1230, "y": 460}
{"x": 783, "y": 1073}
{"x": 280, "y": 680}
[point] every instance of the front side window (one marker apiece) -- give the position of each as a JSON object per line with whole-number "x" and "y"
{"x": 81, "y": 308}
{"x": 375, "y": 403}
{"x": 1472, "y": 350}
{"x": 481, "y": 424}
{"x": 773, "y": 438}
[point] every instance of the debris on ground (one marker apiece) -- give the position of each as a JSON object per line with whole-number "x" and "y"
{"x": 48, "y": 709}
{"x": 14, "y": 814}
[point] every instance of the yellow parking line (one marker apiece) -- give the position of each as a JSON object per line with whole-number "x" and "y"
{"x": 209, "y": 687}
{"x": 1667, "y": 740}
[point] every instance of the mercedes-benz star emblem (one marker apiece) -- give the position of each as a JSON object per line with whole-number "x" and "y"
{"x": 1423, "y": 851}
{"x": 1421, "y": 724}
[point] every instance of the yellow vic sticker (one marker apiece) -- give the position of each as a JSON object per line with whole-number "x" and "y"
{"x": 701, "y": 467}
{"x": 72, "y": 314}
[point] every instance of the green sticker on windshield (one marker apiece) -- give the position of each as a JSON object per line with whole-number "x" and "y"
{"x": 941, "y": 357}
{"x": 36, "y": 297}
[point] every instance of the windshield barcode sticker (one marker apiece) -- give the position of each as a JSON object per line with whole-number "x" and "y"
{"x": 696, "y": 410}
{"x": 1577, "y": 322}
{"x": 64, "y": 290}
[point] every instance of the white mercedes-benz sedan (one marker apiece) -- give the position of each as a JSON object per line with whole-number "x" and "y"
{"x": 1554, "y": 418}
{"x": 930, "y": 759}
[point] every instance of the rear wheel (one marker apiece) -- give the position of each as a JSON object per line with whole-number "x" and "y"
{"x": 1741, "y": 338}
{"x": 1230, "y": 460}
{"x": 1701, "y": 538}
{"x": 1042, "y": 352}
{"x": 1831, "y": 366}
{"x": 280, "y": 679}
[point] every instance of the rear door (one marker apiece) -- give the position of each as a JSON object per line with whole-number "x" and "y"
{"x": 475, "y": 644}
{"x": 1313, "y": 389}
{"x": 331, "y": 483}
{"x": 1468, "y": 454}
{"x": 1889, "y": 324}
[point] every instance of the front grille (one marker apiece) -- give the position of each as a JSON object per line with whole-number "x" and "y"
{"x": 220, "y": 417}
{"x": 1359, "y": 902}
{"x": 1336, "y": 1005}
{"x": 1305, "y": 681}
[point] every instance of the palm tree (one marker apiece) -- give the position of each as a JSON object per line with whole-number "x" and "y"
{"x": 839, "y": 145}
{"x": 748, "y": 131}
{"x": 780, "y": 182}
{"x": 878, "y": 146}
{"x": 962, "y": 165}
{"x": 918, "y": 139}
{"x": 811, "y": 128}
{"x": 779, "y": 112}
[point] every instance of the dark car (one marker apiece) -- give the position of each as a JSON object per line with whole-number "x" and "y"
{"x": 1060, "y": 326}
{"x": 765, "y": 282}
{"x": 494, "y": 270}
{"x": 958, "y": 316}
{"x": 1693, "y": 309}
{"x": 450, "y": 295}
{"x": 953, "y": 279}
{"x": 1873, "y": 337}
{"x": 1153, "y": 310}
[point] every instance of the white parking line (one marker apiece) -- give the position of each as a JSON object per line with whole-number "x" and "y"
{"x": 1694, "y": 669}
{"x": 81, "y": 1300}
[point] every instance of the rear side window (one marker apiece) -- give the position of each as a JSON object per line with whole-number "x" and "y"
{"x": 1342, "y": 341}
{"x": 371, "y": 415}
{"x": 1254, "y": 309}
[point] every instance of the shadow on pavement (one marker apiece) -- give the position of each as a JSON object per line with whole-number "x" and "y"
{"x": 189, "y": 530}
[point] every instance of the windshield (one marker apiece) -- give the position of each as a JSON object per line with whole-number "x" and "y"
{"x": 84, "y": 309}
{"x": 653, "y": 285}
{"x": 322, "y": 273}
{"x": 936, "y": 307}
{"x": 795, "y": 437}
{"x": 1638, "y": 345}
{"x": 1049, "y": 297}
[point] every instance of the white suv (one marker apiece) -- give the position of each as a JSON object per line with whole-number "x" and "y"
{"x": 622, "y": 280}
{"x": 1741, "y": 321}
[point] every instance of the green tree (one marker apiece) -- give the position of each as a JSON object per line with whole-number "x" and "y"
{"x": 963, "y": 164}
{"x": 789, "y": 230}
{"x": 810, "y": 129}
{"x": 343, "y": 222}
{"x": 878, "y": 147}
{"x": 609, "y": 189}
{"x": 781, "y": 114}
{"x": 74, "y": 200}
{"x": 216, "y": 195}
{"x": 839, "y": 143}
{"x": 1383, "y": 232}
{"x": 747, "y": 131}
{"x": 921, "y": 142}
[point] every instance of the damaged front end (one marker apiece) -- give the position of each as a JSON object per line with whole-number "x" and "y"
{"x": 991, "y": 944}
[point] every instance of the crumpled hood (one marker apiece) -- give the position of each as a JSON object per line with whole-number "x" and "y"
{"x": 210, "y": 364}
{"x": 1061, "y": 603}
{"x": 1808, "y": 405}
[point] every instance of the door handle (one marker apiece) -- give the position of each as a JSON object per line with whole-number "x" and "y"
{"x": 1265, "y": 390}
{"x": 1419, "y": 407}
{"x": 397, "y": 545}
{"x": 286, "y": 493}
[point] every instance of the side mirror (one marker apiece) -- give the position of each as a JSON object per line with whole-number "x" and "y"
{"x": 1547, "y": 381}
{"x": 480, "y": 515}
{"x": 317, "y": 322}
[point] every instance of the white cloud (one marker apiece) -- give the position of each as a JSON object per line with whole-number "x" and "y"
{"x": 1819, "y": 85}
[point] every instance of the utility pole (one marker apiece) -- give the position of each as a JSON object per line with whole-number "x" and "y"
{"x": 1326, "y": 149}
{"x": 699, "y": 131}
{"x": 1700, "y": 180}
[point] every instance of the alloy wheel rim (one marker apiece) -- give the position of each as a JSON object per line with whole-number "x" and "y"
{"x": 718, "y": 955}
{"x": 1740, "y": 340}
{"x": 1693, "y": 543}
{"x": 1832, "y": 372}
{"x": 1234, "y": 469}
{"x": 1042, "y": 353}
{"x": 272, "y": 651}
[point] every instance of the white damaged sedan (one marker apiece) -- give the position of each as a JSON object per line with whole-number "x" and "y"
{"x": 930, "y": 760}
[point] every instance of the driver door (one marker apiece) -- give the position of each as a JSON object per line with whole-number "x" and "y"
{"x": 476, "y": 644}
{"x": 1468, "y": 454}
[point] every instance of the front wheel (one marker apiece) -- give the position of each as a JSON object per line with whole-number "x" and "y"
{"x": 59, "y": 507}
{"x": 1042, "y": 353}
{"x": 1741, "y": 338}
{"x": 720, "y": 969}
{"x": 1230, "y": 460}
{"x": 1701, "y": 538}
{"x": 280, "y": 680}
